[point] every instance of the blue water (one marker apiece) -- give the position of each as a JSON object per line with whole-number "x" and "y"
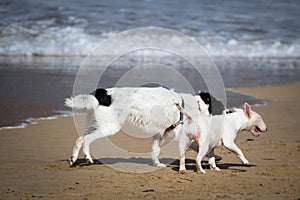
{"x": 266, "y": 28}
{"x": 43, "y": 43}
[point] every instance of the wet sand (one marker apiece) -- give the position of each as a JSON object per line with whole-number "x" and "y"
{"x": 33, "y": 162}
{"x": 33, "y": 87}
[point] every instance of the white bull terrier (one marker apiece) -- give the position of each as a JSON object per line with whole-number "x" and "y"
{"x": 210, "y": 132}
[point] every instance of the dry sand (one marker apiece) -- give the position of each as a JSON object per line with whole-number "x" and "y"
{"x": 33, "y": 162}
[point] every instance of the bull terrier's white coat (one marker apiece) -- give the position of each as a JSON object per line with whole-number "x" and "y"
{"x": 211, "y": 132}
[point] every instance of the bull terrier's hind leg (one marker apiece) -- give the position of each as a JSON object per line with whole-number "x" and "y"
{"x": 183, "y": 143}
{"x": 201, "y": 154}
{"x": 211, "y": 160}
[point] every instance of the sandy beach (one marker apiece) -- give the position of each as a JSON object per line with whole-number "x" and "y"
{"x": 33, "y": 162}
{"x": 51, "y": 50}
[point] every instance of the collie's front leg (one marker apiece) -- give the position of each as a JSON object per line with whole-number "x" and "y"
{"x": 157, "y": 140}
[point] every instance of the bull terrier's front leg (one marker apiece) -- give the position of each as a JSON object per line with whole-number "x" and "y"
{"x": 199, "y": 166}
{"x": 233, "y": 147}
{"x": 201, "y": 154}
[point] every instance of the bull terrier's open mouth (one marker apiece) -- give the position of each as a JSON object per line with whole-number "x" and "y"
{"x": 257, "y": 131}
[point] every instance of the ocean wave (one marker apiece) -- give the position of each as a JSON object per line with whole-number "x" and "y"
{"x": 53, "y": 42}
{"x": 74, "y": 41}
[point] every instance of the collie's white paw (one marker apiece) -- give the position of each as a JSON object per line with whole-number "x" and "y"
{"x": 72, "y": 160}
{"x": 89, "y": 159}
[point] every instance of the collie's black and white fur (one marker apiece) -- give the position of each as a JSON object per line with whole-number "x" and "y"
{"x": 110, "y": 109}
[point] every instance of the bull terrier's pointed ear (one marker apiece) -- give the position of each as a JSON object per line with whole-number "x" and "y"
{"x": 247, "y": 109}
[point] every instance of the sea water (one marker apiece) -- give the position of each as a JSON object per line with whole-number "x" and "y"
{"x": 259, "y": 28}
{"x": 44, "y": 43}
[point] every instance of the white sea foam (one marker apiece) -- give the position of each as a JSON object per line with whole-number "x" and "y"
{"x": 23, "y": 125}
{"x": 226, "y": 28}
{"x": 72, "y": 41}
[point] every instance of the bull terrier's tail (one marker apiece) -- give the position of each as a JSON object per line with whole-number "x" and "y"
{"x": 181, "y": 109}
{"x": 82, "y": 102}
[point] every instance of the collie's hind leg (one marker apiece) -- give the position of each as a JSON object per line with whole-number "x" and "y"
{"x": 76, "y": 148}
{"x": 97, "y": 134}
{"x": 87, "y": 140}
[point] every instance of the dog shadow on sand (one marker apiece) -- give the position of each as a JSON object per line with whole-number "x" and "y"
{"x": 173, "y": 163}
{"x": 190, "y": 165}
{"x": 110, "y": 161}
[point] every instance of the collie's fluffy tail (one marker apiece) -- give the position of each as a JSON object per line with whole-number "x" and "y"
{"x": 82, "y": 102}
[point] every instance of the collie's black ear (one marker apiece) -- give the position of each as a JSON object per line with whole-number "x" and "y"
{"x": 100, "y": 92}
{"x": 216, "y": 107}
{"x": 205, "y": 96}
{"x": 102, "y": 97}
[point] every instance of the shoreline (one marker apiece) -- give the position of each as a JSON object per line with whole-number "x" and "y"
{"x": 68, "y": 113}
{"x": 36, "y": 87}
{"x": 248, "y": 91}
{"x": 34, "y": 120}
{"x": 33, "y": 162}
